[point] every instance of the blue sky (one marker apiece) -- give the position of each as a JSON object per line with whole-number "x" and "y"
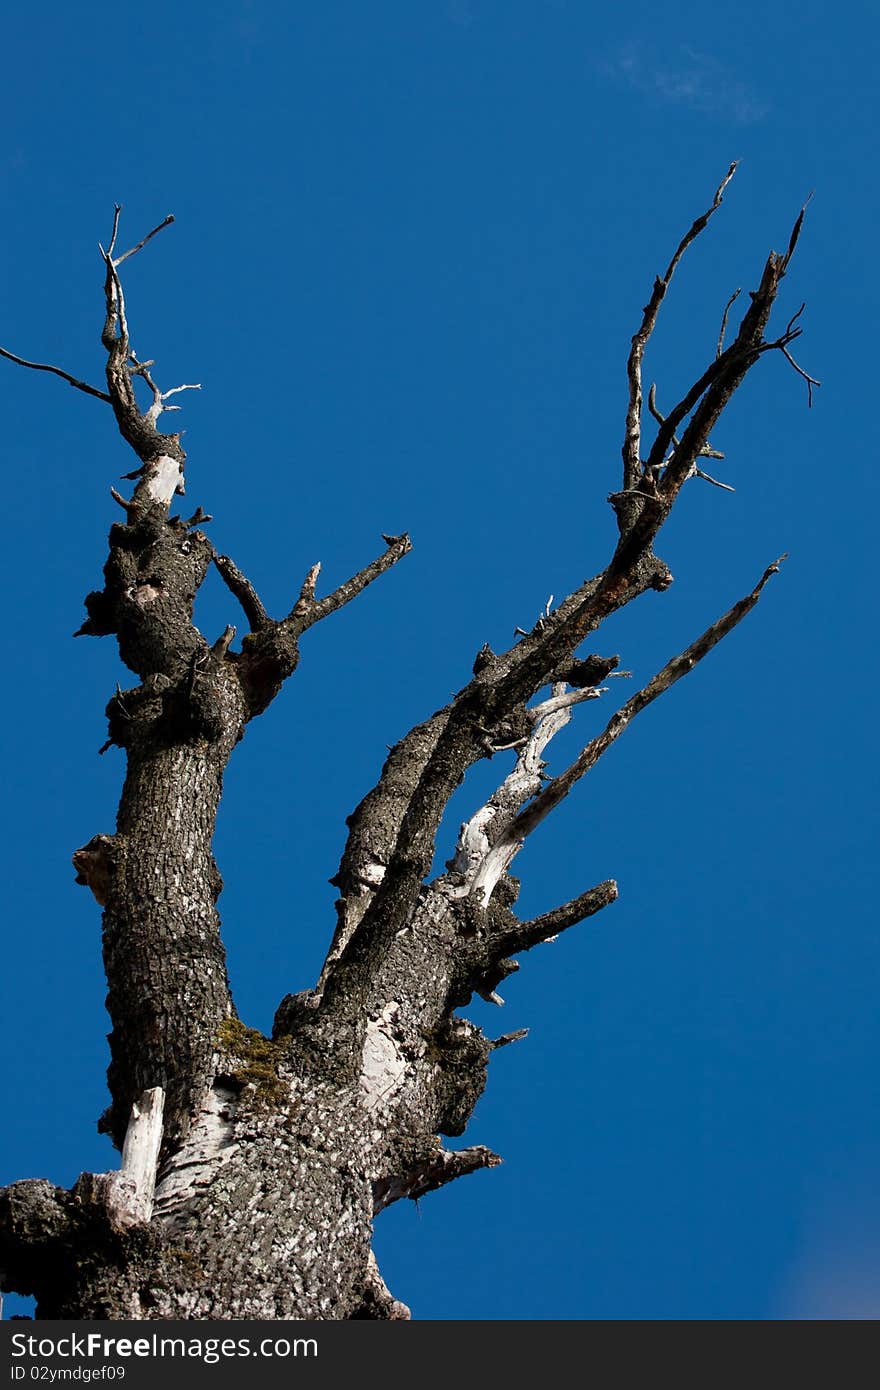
{"x": 411, "y": 244}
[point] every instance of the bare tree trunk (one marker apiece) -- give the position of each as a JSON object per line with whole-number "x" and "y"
{"x": 253, "y": 1167}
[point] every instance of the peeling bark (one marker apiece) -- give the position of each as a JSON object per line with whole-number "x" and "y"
{"x": 252, "y": 1168}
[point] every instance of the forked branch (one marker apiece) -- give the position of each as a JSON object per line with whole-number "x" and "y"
{"x": 309, "y": 610}
{"x": 490, "y": 841}
{"x": 678, "y": 666}
{"x": 632, "y": 437}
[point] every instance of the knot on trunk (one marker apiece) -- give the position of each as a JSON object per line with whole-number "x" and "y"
{"x": 95, "y": 865}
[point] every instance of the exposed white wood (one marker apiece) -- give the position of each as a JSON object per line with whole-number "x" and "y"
{"x": 383, "y": 1065}
{"x": 484, "y": 851}
{"x": 210, "y": 1143}
{"x": 571, "y": 697}
{"x": 127, "y": 1194}
{"x": 371, "y": 872}
{"x": 140, "y": 1152}
{"x": 163, "y": 477}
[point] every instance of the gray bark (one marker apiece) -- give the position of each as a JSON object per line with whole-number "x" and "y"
{"x": 254, "y": 1166}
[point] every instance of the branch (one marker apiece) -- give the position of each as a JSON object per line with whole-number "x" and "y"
{"x": 393, "y": 831}
{"x": 723, "y": 329}
{"x": 441, "y": 1167}
{"x": 241, "y": 587}
{"x": 565, "y": 701}
{"x": 810, "y": 380}
{"x": 485, "y": 956}
{"x": 672, "y": 672}
{"x": 166, "y": 222}
{"x": 161, "y": 454}
{"x": 707, "y": 399}
{"x": 632, "y": 436}
{"x": 57, "y": 371}
{"x": 308, "y": 610}
{"x": 707, "y": 478}
{"x": 490, "y": 823}
{"x": 117, "y": 210}
{"x": 551, "y": 924}
{"x": 706, "y": 451}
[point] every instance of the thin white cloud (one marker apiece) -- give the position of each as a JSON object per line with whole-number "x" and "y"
{"x": 686, "y": 77}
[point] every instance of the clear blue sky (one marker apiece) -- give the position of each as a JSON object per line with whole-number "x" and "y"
{"x": 412, "y": 243}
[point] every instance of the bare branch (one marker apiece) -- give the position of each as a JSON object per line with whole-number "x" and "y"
{"x": 307, "y": 610}
{"x": 723, "y": 329}
{"x": 796, "y": 231}
{"x": 706, "y": 450}
{"x": 117, "y": 209}
{"x": 707, "y": 478}
{"x": 707, "y": 399}
{"x": 506, "y": 1039}
{"x": 632, "y": 437}
{"x": 196, "y": 386}
{"x": 551, "y": 924}
{"x": 142, "y": 369}
{"x": 307, "y": 592}
{"x": 161, "y": 453}
{"x": 810, "y": 380}
{"x": 166, "y": 222}
{"x": 565, "y": 701}
{"x": 679, "y": 666}
{"x": 439, "y": 1168}
{"x": 474, "y": 854}
{"x": 239, "y": 585}
{"x": 57, "y": 371}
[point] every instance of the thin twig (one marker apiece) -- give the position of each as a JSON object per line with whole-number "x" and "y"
{"x": 632, "y": 435}
{"x": 196, "y": 386}
{"x": 707, "y": 478}
{"x": 727, "y": 308}
{"x": 795, "y": 233}
{"x": 117, "y": 209}
{"x": 57, "y": 371}
{"x": 706, "y": 452}
{"x": 141, "y": 244}
{"x": 810, "y": 380}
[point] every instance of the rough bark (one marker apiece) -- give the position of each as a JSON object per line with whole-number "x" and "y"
{"x": 253, "y": 1167}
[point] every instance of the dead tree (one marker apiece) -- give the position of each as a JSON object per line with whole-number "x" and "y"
{"x": 252, "y": 1167}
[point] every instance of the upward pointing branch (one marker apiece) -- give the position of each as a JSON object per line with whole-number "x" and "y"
{"x": 503, "y": 852}
{"x": 672, "y": 672}
{"x": 632, "y": 437}
{"x": 137, "y": 427}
